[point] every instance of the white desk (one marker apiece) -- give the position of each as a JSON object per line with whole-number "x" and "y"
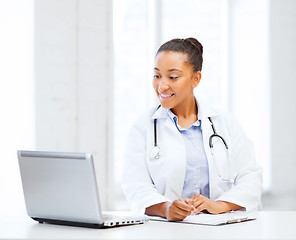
{"x": 269, "y": 225}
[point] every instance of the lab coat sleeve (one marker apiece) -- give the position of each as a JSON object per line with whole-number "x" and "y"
{"x": 247, "y": 188}
{"x": 136, "y": 181}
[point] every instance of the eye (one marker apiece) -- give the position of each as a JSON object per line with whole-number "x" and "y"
{"x": 156, "y": 76}
{"x": 173, "y": 77}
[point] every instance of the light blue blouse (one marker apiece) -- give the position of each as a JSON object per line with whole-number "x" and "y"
{"x": 197, "y": 170}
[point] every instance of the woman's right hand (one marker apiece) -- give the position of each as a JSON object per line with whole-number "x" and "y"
{"x": 178, "y": 210}
{"x": 172, "y": 211}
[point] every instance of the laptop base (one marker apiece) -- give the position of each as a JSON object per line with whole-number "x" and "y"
{"x": 68, "y": 223}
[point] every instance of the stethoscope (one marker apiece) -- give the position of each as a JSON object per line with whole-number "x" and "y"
{"x": 215, "y": 135}
{"x": 155, "y": 153}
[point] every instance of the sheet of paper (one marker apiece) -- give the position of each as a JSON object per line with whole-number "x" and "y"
{"x": 215, "y": 219}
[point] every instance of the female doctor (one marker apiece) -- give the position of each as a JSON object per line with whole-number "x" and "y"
{"x": 184, "y": 157}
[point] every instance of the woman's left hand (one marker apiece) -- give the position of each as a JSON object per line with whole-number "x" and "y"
{"x": 202, "y": 203}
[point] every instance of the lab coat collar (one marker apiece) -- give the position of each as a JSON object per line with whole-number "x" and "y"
{"x": 160, "y": 113}
{"x": 204, "y": 110}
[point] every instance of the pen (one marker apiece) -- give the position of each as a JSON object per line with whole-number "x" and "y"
{"x": 177, "y": 195}
{"x": 179, "y": 198}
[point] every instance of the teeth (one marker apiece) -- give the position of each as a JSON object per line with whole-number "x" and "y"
{"x": 165, "y": 95}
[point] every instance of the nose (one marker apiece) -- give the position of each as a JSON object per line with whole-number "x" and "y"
{"x": 163, "y": 85}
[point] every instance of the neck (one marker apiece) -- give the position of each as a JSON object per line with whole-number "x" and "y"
{"x": 187, "y": 109}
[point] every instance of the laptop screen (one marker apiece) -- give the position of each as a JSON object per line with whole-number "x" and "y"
{"x": 60, "y": 186}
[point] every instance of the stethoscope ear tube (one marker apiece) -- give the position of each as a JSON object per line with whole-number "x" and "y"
{"x": 155, "y": 132}
{"x": 155, "y": 153}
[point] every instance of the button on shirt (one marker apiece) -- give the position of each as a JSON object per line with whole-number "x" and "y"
{"x": 197, "y": 170}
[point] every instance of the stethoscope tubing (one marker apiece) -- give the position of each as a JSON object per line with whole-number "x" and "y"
{"x": 210, "y": 139}
{"x": 155, "y": 132}
{"x": 215, "y": 135}
{"x": 155, "y": 153}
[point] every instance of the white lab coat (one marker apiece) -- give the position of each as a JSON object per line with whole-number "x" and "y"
{"x": 147, "y": 181}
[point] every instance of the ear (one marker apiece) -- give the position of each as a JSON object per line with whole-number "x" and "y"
{"x": 196, "y": 77}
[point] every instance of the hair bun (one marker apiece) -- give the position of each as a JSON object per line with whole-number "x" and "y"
{"x": 189, "y": 46}
{"x": 196, "y": 43}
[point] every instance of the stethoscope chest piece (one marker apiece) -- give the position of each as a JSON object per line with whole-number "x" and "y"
{"x": 155, "y": 152}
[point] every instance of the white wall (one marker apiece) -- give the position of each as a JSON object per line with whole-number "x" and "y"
{"x": 73, "y": 79}
{"x": 16, "y": 99}
{"x": 283, "y": 101}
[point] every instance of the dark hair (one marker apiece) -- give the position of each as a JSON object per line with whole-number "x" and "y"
{"x": 189, "y": 46}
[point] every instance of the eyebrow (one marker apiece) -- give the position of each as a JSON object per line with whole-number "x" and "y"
{"x": 170, "y": 70}
{"x": 174, "y": 69}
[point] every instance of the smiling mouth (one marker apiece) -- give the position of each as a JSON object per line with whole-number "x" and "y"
{"x": 165, "y": 96}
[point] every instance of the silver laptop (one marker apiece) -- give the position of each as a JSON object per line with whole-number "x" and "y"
{"x": 61, "y": 188}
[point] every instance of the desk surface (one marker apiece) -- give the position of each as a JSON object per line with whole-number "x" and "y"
{"x": 268, "y": 225}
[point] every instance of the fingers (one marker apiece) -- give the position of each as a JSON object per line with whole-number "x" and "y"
{"x": 201, "y": 207}
{"x": 184, "y": 206}
{"x": 189, "y": 201}
{"x": 178, "y": 210}
{"x": 202, "y": 203}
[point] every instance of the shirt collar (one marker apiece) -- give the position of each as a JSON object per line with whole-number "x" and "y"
{"x": 204, "y": 110}
{"x": 174, "y": 118}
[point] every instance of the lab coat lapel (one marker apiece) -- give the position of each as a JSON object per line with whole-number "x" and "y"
{"x": 177, "y": 155}
{"x": 205, "y": 112}
{"x": 213, "y": 176}
{"x": 206, "y": 133}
